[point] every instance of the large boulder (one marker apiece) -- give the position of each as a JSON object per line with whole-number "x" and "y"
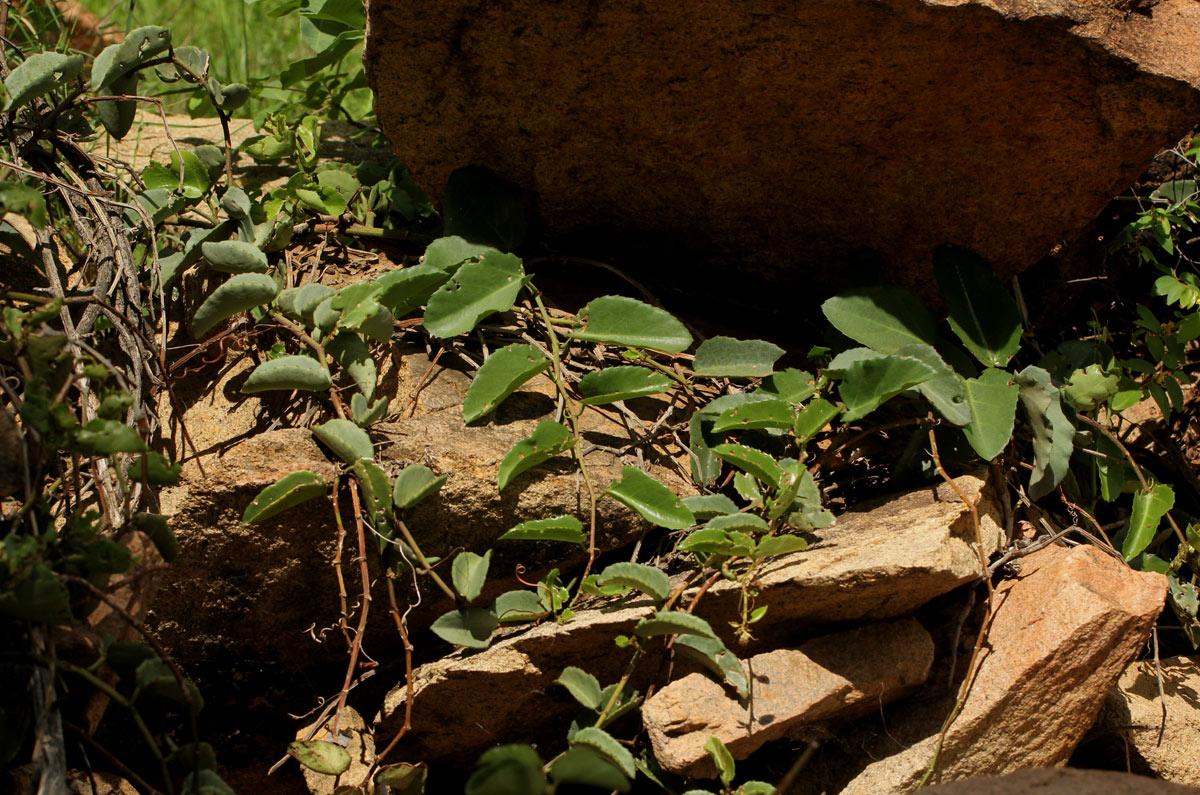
{"x": 783, "y": 138}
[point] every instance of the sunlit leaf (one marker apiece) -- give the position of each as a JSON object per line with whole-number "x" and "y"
{"x": 884, "y": 319}
{"x": 673, "y": 622}
{"x": 752, "y": 416}
{"x": 287, "y": 372}
{"x": 584, "y": 766}
{"x": 321, "y": 756}
{"x": 1053, "y": 434}
{"x": 479, "y": 288}
{"x": 471, "y": 627}
{"x": 517, "y": 606}
{"x": 582, "y": 685}
{"x": 1149, "y": 508}
{"x": 992, "y": 399}
{"x": 706, "y": 506}
{"x": 868, "y": 384}
{"x": 721, "y": 758}
{"x": 814, "y": 418}
{"x": 558, "y": 528}
{"x": 751, "y": 460}
{"x": 945, "y": 391}
{"x": 647, "y": 579}
{"x": 602, "y": 743}
{"x": 38, "y": 74}
{"x": 414, "y": 483}
{"x": 655, "y": 502}
{"x": 239, "y": 293}
{"x": 291, "y": 489}
{"x": 780, "y": 545}
{"x": 619, "y": 320}
{"x": 548, "y": 440}
{"x": 501, "y": 374}
{"x": 622, "y": 383}
{"x": 347, "y": 441}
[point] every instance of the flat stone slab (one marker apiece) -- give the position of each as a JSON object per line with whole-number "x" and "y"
{"x": 833, "y": 677}
{"x": 880, "y": 560}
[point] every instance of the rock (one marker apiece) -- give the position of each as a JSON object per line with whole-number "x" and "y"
{"x": 359, "y": 743}
{"x": 1062, "y": 632}
{"x": 98, "y": 783}
{"x": 1060, "y": 781}
{"x": 468, "y": 702}
{"x": 770, "y": 139}
{"x": 833, "y": 677}
{"x": 254, "y": 592}
{"x": 1133, "y": 717}
{"x": 883, "y": 559}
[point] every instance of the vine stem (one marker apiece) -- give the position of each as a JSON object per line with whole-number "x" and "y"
{"x": 412, "y": 543}
{"x": 573, "y": 417}
{"x": 366, "y": 606}
{"x": 973, "y": 665}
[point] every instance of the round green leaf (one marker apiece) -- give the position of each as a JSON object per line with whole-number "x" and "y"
{"x": 38, "y": 74}
{"x": 673, "y": 622}
{"x": 992, "y": 399}
{"x": 469, "y": 573}
{"x": 516, "y": 606}
{"x": 234, "y": 256}
{"x": 751, "y": 460}
{"x": 602, "y": 743}
{"x": 619, "y": 320}
{"x": 349, "y": 350}
{"x": 982, "y": 313}
{"x": 447, "y": 253}
{"x": 471, "y": 627}
{"x": 582, "y": 685}
{"x": 584, "y": 766}
{"x": 752, "y": 416}
{"x": 706, "y": 506}
{"x": 647, "y": 579}
{"x": 883, "y": 318}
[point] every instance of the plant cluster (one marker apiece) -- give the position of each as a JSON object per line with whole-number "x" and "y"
{"x": 83, "y": 360}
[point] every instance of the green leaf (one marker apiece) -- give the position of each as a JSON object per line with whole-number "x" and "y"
{"x": 655, "y": 502}
{"x": 39, "y": 74}
{"x": 705, "y": 467}
{"x": 945, "y": 391}
{"x": 601, "y": 742}
{"x": 376, "y": 492}
{"x": 156, "y": 528}
{"x": 234, "y": 256}
{"x": 24, "y": 200}
{"x": 401, "y": 778}
{"x": 349, "y": 350}
{"x": 1149, "y": 508}
{"x": 744, "y": 522}
{"x": 779, "y": 545}
{"x": 618, "y": 320}
{"x": 241, "y": 292}
{"x": 291, "y": 489}
{"x": 583, "y": 766}
{"x": 982, "y": 314}
{"x": 884, "y": 319}
{"x": 721, "y": 758}
{"x": 508, "y": 770}
{"x": 751, "y": 416}
{"x": 299, "y": 303}
{"x": 622, "y": 383}
{"x": 870, "y": 383}
{"x": 288, "y": 372}
{"x": 105, "y": 437}
{"x": 483, "y": 208}
{"x": 194, "y": 184}
{"x": 501, "y": 374}
{"x": 365, "y": 415}
{"x": 447, "y": 253}
{"x": 404, "y": 291}
{"x": 715, "y": 541}
{"x": 39, "y": 596}
{"x": 791, "y": 385}
{"x": 582, "y": 685}
{"x": 321, "y": 756}
{"x": 140, "y": 45}
{"x": 1053, "y": 434}
{"x": 558, "y": 528}
{"x": 1090, "y": 387}
{"x": 1111, "y": 471}
{"x": 118, "y": 115}
{"x": 992, "y": 399}
{"x": 647, "y": 579}
{"x": 673, "y": 622}
{"x": 414, "y": 483}
{"x": 725, "y": 357}
{"x": 477, "y": 290}
{"x": 712, "y": 654}
{"x": 813, "y": 419}
{"x": 471, "y": 627}
{"x": 751, "y": 460}
{"x": 517, "y": 606}
{"x": 469, "y": 573}
{"x": 548, "y": 440}
{"x": 706, "y": 506}
{"x": 155, "y": 468}
{"x": 347, "y": 441}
